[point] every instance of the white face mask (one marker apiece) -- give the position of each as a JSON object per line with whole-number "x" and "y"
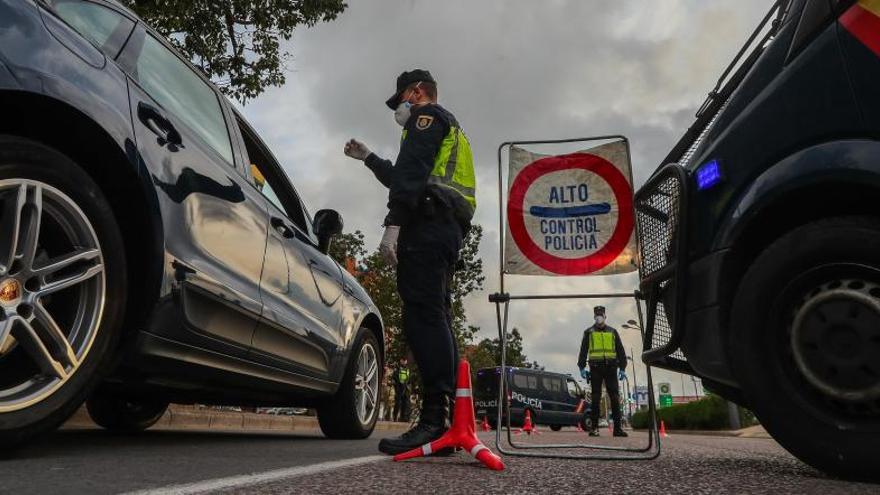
{"x": 402, "y": 114}
{"x": 600, "y": 320}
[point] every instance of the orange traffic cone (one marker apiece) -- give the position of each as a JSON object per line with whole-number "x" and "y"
{"x": 527, "y": 428}
{"x": 610, "y": 428}
{"x": 461, "y": 433}
{"x": 580, "y": 409}
{"x": 663, "y": 429}
{"x": 485, "y": 424}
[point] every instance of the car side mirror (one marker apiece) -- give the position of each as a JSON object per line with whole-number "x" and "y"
{"x": 327, "y": 224}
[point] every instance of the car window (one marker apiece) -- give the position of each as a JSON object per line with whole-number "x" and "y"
{"x": 551, "y": 384}
{"x": 101, "y": 25}
{"x": 573, "y": 389}
{"x": 266, "y": 175}
{"x": 180, "y": 91}
{"x": 525, "y": 381}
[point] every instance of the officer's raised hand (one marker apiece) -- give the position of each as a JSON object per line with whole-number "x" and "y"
{"x": 357, "y": 150}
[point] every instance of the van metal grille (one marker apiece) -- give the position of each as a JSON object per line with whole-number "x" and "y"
{"x": 659, "y": 209}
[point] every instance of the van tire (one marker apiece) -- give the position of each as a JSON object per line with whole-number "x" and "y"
{"x": 780, "y": 345}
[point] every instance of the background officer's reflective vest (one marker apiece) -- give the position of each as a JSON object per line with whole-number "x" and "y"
{"x": 403, "y": 375}
{"x": 454, "y": 166}
{"x": 602, "y": 345}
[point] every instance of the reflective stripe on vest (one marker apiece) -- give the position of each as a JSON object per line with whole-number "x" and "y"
{"x": 403, "y": 375}
{"x": 454, "y": 166}
{"x": 602, "y": 345}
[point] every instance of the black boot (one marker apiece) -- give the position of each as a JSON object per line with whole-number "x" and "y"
{"x": 431, "y": 426}
{"x": 618, "y": 431}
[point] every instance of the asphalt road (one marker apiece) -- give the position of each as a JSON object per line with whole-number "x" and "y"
{"x": 95, "y": 462}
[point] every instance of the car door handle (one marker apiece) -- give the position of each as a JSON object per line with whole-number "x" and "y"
{"x": 282, "y": 228}
{"x": 159, "y": 124}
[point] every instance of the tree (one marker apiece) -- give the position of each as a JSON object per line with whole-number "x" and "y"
{"x": 487, "y": 353}
{"x": 348, "y": 249}
{"x": 237, "y": 43}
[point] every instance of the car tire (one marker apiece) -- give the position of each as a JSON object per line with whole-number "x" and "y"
{"x": 342, "y": 416}
{"x": 74, "y": 221}
{"x": 805, "y": 341}
{"x": 555, "y": 427}
{"x": 124, "y": 415}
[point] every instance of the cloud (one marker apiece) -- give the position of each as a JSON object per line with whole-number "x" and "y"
{"x": 508, "y": 69}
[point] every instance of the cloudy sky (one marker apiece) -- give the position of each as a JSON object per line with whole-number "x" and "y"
{"x": 508, "y": 69}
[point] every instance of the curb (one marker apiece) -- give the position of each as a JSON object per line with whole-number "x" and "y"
{"x": 180, "y": 417}
{"x": 744, "y": 433}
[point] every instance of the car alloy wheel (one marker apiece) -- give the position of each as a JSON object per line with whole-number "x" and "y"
{"x": 52, "y": 291}
{"x": 366, "y": 383}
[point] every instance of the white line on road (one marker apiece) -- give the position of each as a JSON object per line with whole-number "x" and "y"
{"x": 253, "y": 479}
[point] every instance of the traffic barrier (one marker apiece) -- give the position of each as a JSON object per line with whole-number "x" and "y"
{"x": 462, "y": 433}
{"x": 485, "y": 424}
{"x": 663, "y": 430}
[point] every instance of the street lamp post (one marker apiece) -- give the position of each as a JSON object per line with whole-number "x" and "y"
{"x": 632, "y": 325}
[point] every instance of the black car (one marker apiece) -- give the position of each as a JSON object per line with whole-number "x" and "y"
{"x": 552, "y": 399}
{"x": 760, "y": 235}
{"x": 152, "y": 250}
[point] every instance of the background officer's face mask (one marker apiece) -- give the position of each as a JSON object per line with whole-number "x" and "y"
{"x": 600, "y": 320}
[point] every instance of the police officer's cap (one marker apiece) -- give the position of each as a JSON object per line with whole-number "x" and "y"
{"x": 599, "y": 310}
{"x": 404, "y": 80}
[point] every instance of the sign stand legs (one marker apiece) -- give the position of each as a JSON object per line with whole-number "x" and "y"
{"x": 648, "y": 452}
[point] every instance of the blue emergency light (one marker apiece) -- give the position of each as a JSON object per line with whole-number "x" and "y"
{"x": 708, "y": 175}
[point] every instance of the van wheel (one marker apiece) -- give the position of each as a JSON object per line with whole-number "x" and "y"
{"x": 62, "y": 288}
{"x": 353, "y": 411}
{"x": 805, "y": 340}
{"x": 555, "y": 427}
{"x": 124, "y": 415}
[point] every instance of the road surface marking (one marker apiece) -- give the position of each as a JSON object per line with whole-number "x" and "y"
{"x": 253, "y": 479}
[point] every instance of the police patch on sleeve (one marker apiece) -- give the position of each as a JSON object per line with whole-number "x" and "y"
{"x": 424, "y": 121}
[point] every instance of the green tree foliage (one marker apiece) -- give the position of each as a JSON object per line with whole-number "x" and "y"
{"x": 487, "y": 353}
{"x": 708, "y": 413}
{"x": 237, "y": 43}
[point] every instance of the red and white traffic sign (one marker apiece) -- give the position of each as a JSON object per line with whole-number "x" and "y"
{"x": 570, "y": 214}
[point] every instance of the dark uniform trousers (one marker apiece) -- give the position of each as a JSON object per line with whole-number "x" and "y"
{"x": 427, "y": 252}
{"x": 401, "y": 403}
{"x": 604, "y": 372}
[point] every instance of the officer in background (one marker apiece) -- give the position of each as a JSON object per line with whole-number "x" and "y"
{"x": 602, "y": 349}
{"x": 431, "y": 203}
{"x": 400, "y": 379}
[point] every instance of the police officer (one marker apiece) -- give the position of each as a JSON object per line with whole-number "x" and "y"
{"x": 400, "y": 379}
{"x": 431, "y": 203}
{"x": 602, "y": 349}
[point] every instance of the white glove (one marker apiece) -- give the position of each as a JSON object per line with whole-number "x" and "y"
{"x": 388, "y": 245}
{"x": 356, "y": 150}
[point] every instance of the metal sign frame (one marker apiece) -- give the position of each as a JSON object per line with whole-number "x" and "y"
{"x": 648, "y": 452}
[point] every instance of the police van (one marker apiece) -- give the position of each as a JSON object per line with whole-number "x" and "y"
{"x": 554, "y": 399}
